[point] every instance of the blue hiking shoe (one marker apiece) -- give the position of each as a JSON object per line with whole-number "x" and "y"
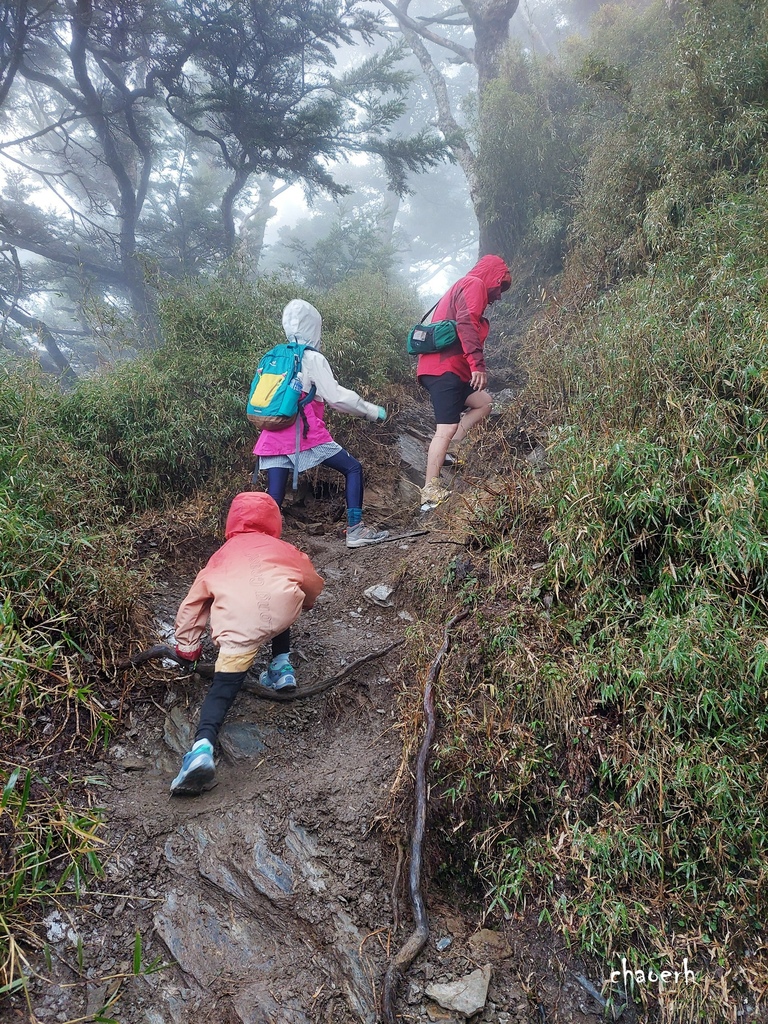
{"x": 279, "y": 676}
{"x": 197, "y": 773}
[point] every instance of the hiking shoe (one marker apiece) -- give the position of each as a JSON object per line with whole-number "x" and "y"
{"x": 360, "y": 535}
{"x": 197, "y": 771}
{"x": 433, "y": 494}
{"x": 279, "y": 678}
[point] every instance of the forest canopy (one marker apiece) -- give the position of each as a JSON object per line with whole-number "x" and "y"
{"x": 150, "y": 142}
{"x": 135, "y": 135}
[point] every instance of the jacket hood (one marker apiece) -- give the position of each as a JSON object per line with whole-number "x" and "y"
{"x": 492, "y": 271}
{"x": 254, "y": 512}
{"x": 302, "y": 320}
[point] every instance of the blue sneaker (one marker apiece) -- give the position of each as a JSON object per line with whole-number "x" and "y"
{"x": 197, "y": 771}
{"x": 279, "y": 676}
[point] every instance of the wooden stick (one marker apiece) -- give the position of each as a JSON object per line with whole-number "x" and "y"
{"x": 206, "y": 670}
{"x": 418, "y": 938}
{"x": 398, "y": 536}
{"x": 312, "y": 689}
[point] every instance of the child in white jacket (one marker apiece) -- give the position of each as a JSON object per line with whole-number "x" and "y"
{"x": 276, "y": 449}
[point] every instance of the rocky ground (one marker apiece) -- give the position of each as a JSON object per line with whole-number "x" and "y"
{"x": 281, "y": 895}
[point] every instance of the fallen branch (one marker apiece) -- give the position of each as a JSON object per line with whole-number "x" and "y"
{"x": 399, "y": 536}
{"x": 402, "y": 960}
{"x": 164, "y": 651}
{"x": 206, "y": 669}
{"x": 312, "y": 689}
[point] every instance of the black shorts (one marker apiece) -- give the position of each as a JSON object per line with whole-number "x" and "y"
{"x": 449, "y": 395}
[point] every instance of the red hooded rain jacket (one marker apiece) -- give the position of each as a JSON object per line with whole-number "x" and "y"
{"x": 465, "y": 302}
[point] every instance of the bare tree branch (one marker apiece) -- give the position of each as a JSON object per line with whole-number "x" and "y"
{"x": 54, "y": 126}
{"x": 207, "y": 669}
{"x": 406, "y": 22}
{"x": 43, "y": 332}
{"x": 109, "y": 275}
{"x": 446, "y": 122}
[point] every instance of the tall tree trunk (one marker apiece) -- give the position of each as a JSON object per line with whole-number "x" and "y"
{"x": 234, "y": 189}
{"x": 490, "y": 22}
{"x": 254, "y": 225}
{"x": 129, "y": 204}
{"x": 389, "y": 218}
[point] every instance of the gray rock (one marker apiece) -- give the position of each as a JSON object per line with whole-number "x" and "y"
{"x": 413, "y": 455}
{"x": 96, "y": 999}
{"x": 410, "y": 492}
{"x": 414, "y": 994}
{"x": 503, "y": 399}
{"x": 465, "y": 995}
{"x": 537, "y": 458}
{"x": 242, "y": 739}
{"x": 380, "y": 595}
{"x": 178, "y": 731}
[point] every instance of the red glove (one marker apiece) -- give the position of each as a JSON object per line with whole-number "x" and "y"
{"x": 190, "y": 655}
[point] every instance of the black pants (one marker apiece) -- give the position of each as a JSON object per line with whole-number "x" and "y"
{"x": 225, "y": 686}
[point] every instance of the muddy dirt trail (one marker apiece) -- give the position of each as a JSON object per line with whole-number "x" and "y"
{"x": 281, "y": 895}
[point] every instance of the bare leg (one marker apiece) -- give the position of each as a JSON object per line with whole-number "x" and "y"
{"x": 438, "y": 447}
{"x": 479, "y": 405}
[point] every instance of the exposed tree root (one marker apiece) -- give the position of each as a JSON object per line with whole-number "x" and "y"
{"x": 205, "y": 669}
{"x": 405, "y": 957}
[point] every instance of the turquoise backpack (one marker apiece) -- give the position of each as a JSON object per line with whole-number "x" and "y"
{"x": 275, "y": 401}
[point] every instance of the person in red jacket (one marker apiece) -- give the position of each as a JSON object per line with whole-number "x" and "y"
{"x": 456, "y": 376}
{"x": 253, "y": 588}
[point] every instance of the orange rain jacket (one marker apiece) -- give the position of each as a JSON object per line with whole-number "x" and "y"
{"x": 253, "y": 587}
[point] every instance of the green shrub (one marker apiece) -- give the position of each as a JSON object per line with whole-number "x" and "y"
{"x": 530, "y": 137}
{"x": 615, "y": 143}
{"x": 365, "y": 323}
{"x": 170, "y": 421}
{"x": 49, "y": 849}
{"x": 678, "y": 101}
{"x": 634, "y": 709}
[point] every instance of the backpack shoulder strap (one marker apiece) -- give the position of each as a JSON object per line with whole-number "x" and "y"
{"x": 310, "y": 395}
{"x": 432, "y": 310}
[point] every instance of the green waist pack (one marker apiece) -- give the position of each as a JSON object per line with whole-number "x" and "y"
{"x": 431, "y": 337}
